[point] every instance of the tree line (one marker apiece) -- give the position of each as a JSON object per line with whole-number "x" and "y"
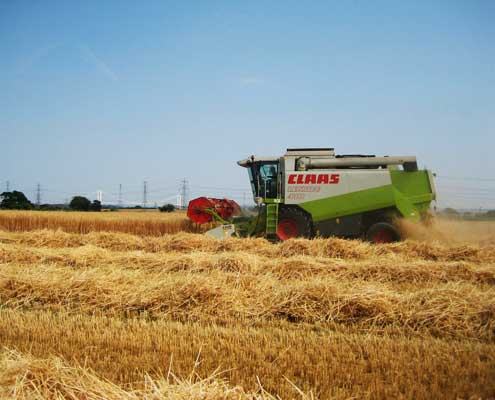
{"x": 16, "y": 200}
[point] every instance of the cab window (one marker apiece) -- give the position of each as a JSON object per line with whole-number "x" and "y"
{"x": 268, "y": 174}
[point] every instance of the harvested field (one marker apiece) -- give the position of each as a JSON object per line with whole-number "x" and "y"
{"x": 53, "y": 378}
{"x": 108, "y": 314}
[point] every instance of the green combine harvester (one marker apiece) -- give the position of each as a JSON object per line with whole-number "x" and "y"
{"x": 316, "y": 193}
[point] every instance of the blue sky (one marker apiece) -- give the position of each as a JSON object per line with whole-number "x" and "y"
{"x": 95, "y": 94}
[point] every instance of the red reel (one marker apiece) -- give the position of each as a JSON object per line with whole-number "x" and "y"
{"x": 197, "y": 211}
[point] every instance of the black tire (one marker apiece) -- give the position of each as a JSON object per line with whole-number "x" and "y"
{"x": 293, "y": 222}
{"x": 383, "y": 232}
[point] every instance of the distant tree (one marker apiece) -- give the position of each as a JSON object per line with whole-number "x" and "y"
{"x": 490, "y": 214}
{"x": 80, "y": 203}
{"x": 15, "y": 201}
{"x": 51, "y": 207}
{"x": 96, "y": 205}
{"x": 167, "y": 208}
{"x": 451, "y": 211}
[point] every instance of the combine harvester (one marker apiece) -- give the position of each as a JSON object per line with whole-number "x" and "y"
{"x": 313, "y": 192}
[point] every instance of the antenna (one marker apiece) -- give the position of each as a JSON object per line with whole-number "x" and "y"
{"x": 7, "y": 186}
{"x": 120, "y": 195}
{"x": 38, "y": 194}
{"x": 145, "y": 194}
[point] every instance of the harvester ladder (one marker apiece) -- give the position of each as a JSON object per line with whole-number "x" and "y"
{"x": 271, "y": 220}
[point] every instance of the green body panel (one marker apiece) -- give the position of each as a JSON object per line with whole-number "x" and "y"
{"x": 410, "y": 193}
{"x": 350, "y": 203}
{"x": 272, "y": 201}
{"x": 413, "y": 192}
{"x": 413, "y": 185}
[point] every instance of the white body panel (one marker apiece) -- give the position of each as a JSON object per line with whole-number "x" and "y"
{"x": 304, "y": 186}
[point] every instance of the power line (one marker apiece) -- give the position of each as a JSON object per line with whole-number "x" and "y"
{"x": 466, "y": 178}
{"x": 466, "y": 189}
{"x": 164, "y": 189}
{"x": 231, "y": 189}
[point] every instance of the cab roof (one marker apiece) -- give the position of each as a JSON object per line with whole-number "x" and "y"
{"x": 256, "y": 159}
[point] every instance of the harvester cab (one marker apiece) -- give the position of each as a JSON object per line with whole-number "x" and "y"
{"x": 264, "y": 177}
{"x": 314, "y": 192}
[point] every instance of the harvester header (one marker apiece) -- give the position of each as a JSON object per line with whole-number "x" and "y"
{"x": 207, "y": 209}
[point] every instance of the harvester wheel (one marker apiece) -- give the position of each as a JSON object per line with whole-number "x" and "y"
{"x": 292, "y": 223}
{"x": 382, "y": 232}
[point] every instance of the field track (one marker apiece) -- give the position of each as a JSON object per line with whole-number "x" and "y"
{"x": 107, "y": 314}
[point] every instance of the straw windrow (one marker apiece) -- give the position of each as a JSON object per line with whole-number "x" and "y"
{"x": 337, "y": 318}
